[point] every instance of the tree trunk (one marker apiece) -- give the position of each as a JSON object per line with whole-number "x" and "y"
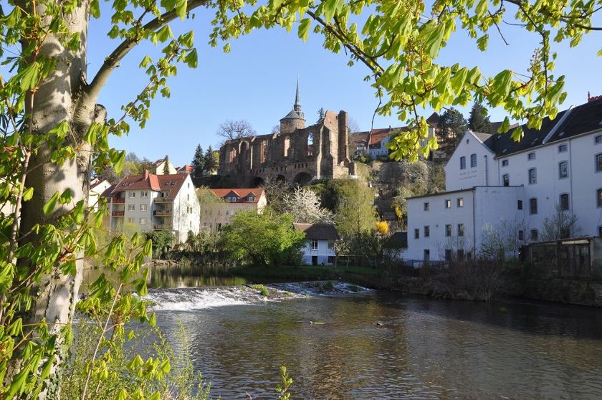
{"x": 55, "y": 101}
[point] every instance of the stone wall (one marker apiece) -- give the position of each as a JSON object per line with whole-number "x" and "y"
{"x": 300, "y": 156}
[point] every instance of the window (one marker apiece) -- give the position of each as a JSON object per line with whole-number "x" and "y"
{"x": 563, "y": 170}
{"x": 131, "y": 220}
{"x": 143, "y": 207}
{"x": 448, "y": 230}
{"x": 600, "y": 230}
{"x": 143, "y": 221}
{"x": 427, "y": 255}
{"x": 416, "y": 233}
{"x": 521, "y": 235}
{"x": 534, "y": 234}
{"x": 131, "y": 207}
{"x": 426, "y": 206}
{"x": 533, "y": 206}
{"x": 314, "y": 244}
{"x": 132, "y": 194}
{"x": 599, "y": 162}
{"x": 448, "y": 255}
{"x": 564, "y": 201}
{"x": 599, "y": 197}
{"x": 506, "y": 179}
{"x": 427, "y": 231}
{"x": 532, "y": 176}
{"x": 562, "y": 148}
{"x": 473, "y": 161}
{"x": 460, "y": 255}
{"x": 460, "y": 229}
{"x": 598, "y": 139}
{"x": 531, "y": 156}
{"x": 461, "y": 202}
{"x": 330, "y": 244}
{"x": 462, "y": 162}
{"x": 519, "y": 205}
{"x": 143, "y": 194}
{"x": 448, "y": 203}
{"x": 504, "y": 163}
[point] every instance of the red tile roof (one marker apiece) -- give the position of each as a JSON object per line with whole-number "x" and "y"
{"x": 242, "y": 194}
{"x": 156, "y": 183}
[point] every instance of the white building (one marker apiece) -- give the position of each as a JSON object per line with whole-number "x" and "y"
{"x": 495, "y": 184}
{"x": 97, "y": 188}
{"x": 319, "y": 246}
{"x": 156, "y": 202}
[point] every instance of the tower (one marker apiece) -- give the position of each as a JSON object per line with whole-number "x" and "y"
{"x": 294, "y": 119}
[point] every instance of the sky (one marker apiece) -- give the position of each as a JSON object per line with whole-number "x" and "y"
{"x": 256, "y": 82}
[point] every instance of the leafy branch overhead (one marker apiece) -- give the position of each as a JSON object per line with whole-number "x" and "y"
{"x": 399, "y": 42}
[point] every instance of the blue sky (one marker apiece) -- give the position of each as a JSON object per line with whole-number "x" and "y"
{"x": 256, "y": 82}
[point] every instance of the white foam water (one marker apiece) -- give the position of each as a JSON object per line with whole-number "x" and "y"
{"x": 188, "y": 299}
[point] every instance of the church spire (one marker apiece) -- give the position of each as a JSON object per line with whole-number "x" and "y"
{"x": 297, "y": 106}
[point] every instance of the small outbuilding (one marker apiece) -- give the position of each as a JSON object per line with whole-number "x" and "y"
{"x": 319, "y": 248}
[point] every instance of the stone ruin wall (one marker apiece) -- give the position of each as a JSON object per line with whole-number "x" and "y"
{"x": 290, "y": 156}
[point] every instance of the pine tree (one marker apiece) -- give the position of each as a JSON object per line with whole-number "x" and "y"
{"x": 198, "y": 161}
{"x": 478, "y": 120}
{"x": 452, "y": 126}
{"x": 166, "y": 166}
{"x": 210, "y": 161}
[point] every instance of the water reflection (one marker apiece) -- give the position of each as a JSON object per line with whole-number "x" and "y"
{"x": 387, "y": 346}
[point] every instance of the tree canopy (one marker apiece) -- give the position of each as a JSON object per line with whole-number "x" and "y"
{"x": 478, "y": 121}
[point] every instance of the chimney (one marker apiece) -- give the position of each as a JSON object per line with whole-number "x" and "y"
{"x": 145, "y": 175}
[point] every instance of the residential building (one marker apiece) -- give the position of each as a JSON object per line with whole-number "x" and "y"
{"x": 495, "y": 184}
{"x": 319, "y": 248}
{"x": 97, "y": 188}
{"x": 395, "y": 246}
{"x": 156, "y": 202}
{"x": 164, "y": 167}
{"x": 220, "y": 205}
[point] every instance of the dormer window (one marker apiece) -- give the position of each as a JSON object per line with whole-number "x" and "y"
{"x": 251, "y": 197}
{"x": 531, "y": 156}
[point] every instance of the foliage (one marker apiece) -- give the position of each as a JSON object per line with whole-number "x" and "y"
{"x": 452, "y": 126}
{"x": 502, "y": 242}
{"x": 231, "y": 130}
{"x": 285, "y": 384}
{"x": 478, "y": 121}
{"x": 210, "y": 161}
{"x": 198, "y": 161}
{"x": 304, "y": 205}
{"x": 264, "y": 291}
{"x": 382, "y": 227}
{"x": 262, "y": 239}
{"x": 161, "y": 242}
{"x": 560, "y": 225}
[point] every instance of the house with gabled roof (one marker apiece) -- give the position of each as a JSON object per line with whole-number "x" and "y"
{"x": 155, "y": 202}
{"x": 319, "y": 247}
{"x": 495, "y": 184}
{"x": 220, "y": 205}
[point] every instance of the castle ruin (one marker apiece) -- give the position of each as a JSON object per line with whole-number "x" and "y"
{"x": 295, "y": 155}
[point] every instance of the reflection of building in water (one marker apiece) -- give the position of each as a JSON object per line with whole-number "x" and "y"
{"x": 297, "y": 154}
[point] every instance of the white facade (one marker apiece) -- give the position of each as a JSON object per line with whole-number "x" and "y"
{"x": 318, "y": 252}
{"x": 514, "y": 186}
{"x": 155, "y": 207}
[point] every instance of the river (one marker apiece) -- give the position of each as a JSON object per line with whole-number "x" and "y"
{"x": 351, "y": 344}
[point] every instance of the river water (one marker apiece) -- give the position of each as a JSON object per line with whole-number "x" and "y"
{"x": 351, "y": 344}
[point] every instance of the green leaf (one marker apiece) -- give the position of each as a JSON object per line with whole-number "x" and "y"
{"x": 164, "y": 33}
{"x": 95, "y": 9}
{"x": 482, "y": 7}
{"x": 482, "y": 42}
{"x": 29, "y": 76}
{"x": 27, "y": 194}
{"x": 181, "y": 8}
{"x": 122, "y": 395}
{"x": 192, "y": 59}
{"x": 304, "y": 29}
{"x": 50, "y": 204}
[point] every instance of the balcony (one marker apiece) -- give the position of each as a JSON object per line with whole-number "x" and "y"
{"x": 118, "y": 213}
{"x": 161, "y": 200}
{"x": 118, "y": 200}
{"x": 162, "y": 213}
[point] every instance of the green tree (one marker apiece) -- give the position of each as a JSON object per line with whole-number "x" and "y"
{"x": 162, "y": 241}
{"x": 452, "y": 126}
{"x": 198, "y": 161}
{"x": 354, "y": 211}
{"x": 262, "y": 239}
{"x": 210, "y": 161}
{"x": 478, "y": 121}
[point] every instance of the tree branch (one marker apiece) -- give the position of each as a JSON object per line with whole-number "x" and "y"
{"x": 102, "y": 76}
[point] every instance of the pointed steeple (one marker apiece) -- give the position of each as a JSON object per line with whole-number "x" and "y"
{"x": 297, "y": 106}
